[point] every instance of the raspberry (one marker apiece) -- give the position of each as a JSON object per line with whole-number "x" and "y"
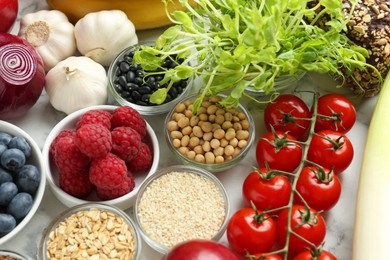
{"x": 125, "y": 142}
{"x": 107, "y": 172}
{"x": 94, "y": 140}
{"x": 143, "y": 161}
{"x": 76, "y": 184}
{"x": 63, "y": 133}
{"x": 68, "y": 157}
{"x": 128, "y": 116}
{"x": 97, "y": 116}
{"x": 125, "y": 187}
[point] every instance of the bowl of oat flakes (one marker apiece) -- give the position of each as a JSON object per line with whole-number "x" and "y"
{"x": 180, "y": 203}
{"x": 91, "y": 231}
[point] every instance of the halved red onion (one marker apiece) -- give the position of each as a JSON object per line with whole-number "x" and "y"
{"x": 22, "y": 76}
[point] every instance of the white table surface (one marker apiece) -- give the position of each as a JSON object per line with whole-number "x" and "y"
{"x": 340, "y": 220}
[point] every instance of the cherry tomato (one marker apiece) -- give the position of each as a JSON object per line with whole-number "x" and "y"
{"x": 260, "y": 256}
{"x": 279, "y": 151}
{"x": 285, "y": 113}
{"x": 331, "y": 150}
{"x": 319, "y": 187}
{"x": 308, "y": 255}
{"x": 266, "y": 190}
{"x": 305, "y": 222}
{"x": 250, "y": 231}
{"x": 335, "y": 112}
{"x": 199, "y": 249}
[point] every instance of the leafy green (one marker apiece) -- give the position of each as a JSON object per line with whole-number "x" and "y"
{"x": 234, "y": 44}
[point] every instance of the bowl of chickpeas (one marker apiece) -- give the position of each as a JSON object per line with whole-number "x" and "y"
{"x": 215, "y": 138}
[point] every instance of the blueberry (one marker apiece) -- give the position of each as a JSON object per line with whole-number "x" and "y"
{"x": 12, "y": 159}
{"x": 3, "y": 147}
{"x": 8, "y": 191}
{"x": 5, "y": 138}
{"x": 7, "y": 223}
{"x": 5, "y": 176}
{"x": 20, "y": 143}
{"x": 28, "y": 178}
{"x": 20, "y": 205}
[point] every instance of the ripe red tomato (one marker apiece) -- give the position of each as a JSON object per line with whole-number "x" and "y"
{"x": 319, "y": 187}
{"x": 260, "y": 256}
{"x": 199, "y": 249}
{"x": 250, "y": 231}
{"x": 266, "y": 190}
{"x": 284, "y": 114}
{"x": 305, "y": 222}
{"x": 308, "y": 255}
{"x": 279, "y": 151}
{"x": 332, "y": 150}
{"x": 335, "y": 112}
{"x": 8, "y": 13}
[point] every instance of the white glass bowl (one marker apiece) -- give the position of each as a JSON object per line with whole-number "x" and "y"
{"x": 93, "y": 225}
{"x": 123, "y": 202}
{"x": 142, "y": 109}
{"x": 185, "y": 202}
{"x": 35, "y": 159}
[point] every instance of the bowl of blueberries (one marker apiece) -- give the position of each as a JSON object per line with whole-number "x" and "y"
{"x": 22, "y": 179}
{"x": 131, "y": 85}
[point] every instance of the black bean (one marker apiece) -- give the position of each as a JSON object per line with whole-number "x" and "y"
{"x": 131, "y": 53}
{"x": 168, "y": 98}
{"x": 138, "y": 80}
{"x": 118, "y": 73}
{"x": 125, "y": 94}
{"x": 133, "y": 68}
{"x": 139, "y": 73}
{"x": 124, "y": 66}
{"x": 118, "y": 88}
{"x": 142, "y": 103}
{"x": 144, "y": 90}
{"x": 145, "y": 98}
{"x": 130, "y": 75}
{"x": 173, "y": 92}
{"x": 136, "y": 95}
{"x": 122, "y": 81}
{"x": 128, "y": 58}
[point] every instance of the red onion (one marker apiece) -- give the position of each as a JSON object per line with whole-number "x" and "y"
{"x": 22, "y": 76}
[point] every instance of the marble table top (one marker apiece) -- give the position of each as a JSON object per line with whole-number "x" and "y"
{"x": 340, "y": 220}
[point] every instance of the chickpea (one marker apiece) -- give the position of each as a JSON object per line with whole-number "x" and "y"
{"x": 230, "y": 134}
{"x": 194, "y": 121}
{"x": 215, "y": 143}
{"x": 219, "y": 133}
{"x": 219, "y": 159}
{"x": 194, "y": 141}
{"x": 185, "y": 140}
{"x": 202, "y": 110}
{"x": 209, "y": 157}
{"x": 228, "y": 116}
{"x": 226, "y": 125}
{"x": 172, "y": 125}
{"x": 176, "y": 134}
{"x": 208, "y": 136}
{"x": 221, "y": 112}
{"x": 188, "y": 113}
{"x": 245, "y": 124}
{"x": 212, "y": 109}
{"x": 242, "y": 134}
{"x": 219, "y": 151}
{"x": 187, "y": 130}
{"x": 206, "y": 146}
{"x": 183, "y": 150}
{"x": 229, "y": 150}
{"x": 183, "y": 122}
{"x": 234, "y": 142}
{"x": 212, "y": 118}
{"x": 178, "y": 116}
{"x": 206, "y": 103}
{"x": 191, "y": 155}
{"x": 199, "y": 158}
{"x": 198, "y": 149}
{"x": 203, "y": 117}
{"x": 215, "y": 99}
{"x": 206, "y": 127}
{"x": 180, "y": 108}
{"x": 237, "y": 151}
{"x": 219, "y": 119}
{"x": 198, "y": 132}
{"x": 176, "y": 143}
{"x": 237, "y": 126}
{"x": 242, "y": 143}
{"x": 224, "y": 142}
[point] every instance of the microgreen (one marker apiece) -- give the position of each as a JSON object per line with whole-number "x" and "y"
{"x": 234, "y": 44}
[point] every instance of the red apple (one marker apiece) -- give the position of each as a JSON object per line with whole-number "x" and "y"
{"x": 8, "y": 13}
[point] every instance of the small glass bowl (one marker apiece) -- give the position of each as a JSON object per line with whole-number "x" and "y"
{"x": 214, "y": 167}
{"x": 281, "y": 84}
{"x": 83, "y": 225}
{"x": 143, "y": 110}
{"x": 180, "y": 169}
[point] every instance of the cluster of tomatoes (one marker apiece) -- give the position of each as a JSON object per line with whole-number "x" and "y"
{"x": 300, "y": 159}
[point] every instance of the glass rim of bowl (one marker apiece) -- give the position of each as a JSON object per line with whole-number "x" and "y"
{"x": 53, "y": 224}
{"x": 217, "y": 167}
{"x": 144, "y": 110}
{"x": 189, "y": 169}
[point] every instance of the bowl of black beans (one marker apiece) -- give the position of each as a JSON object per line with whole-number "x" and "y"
{"x": 131, "y": 85}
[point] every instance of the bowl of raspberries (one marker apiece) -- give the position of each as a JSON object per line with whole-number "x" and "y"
{"x": 22, "y": 179}
{"x": 100, "y": 154}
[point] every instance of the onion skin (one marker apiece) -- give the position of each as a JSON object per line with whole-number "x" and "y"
{"x": 22, "y": 76}
{"x": 8, "y": 13}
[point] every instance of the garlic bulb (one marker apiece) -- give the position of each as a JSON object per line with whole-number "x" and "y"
{"x": 102, "y": 35}
{"x": 76, "y": 83}
{"x": 51, "y": 34}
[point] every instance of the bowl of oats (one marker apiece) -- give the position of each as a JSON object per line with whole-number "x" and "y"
{"x": 180, "y": 203}
{"x": 91, "y": 231}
